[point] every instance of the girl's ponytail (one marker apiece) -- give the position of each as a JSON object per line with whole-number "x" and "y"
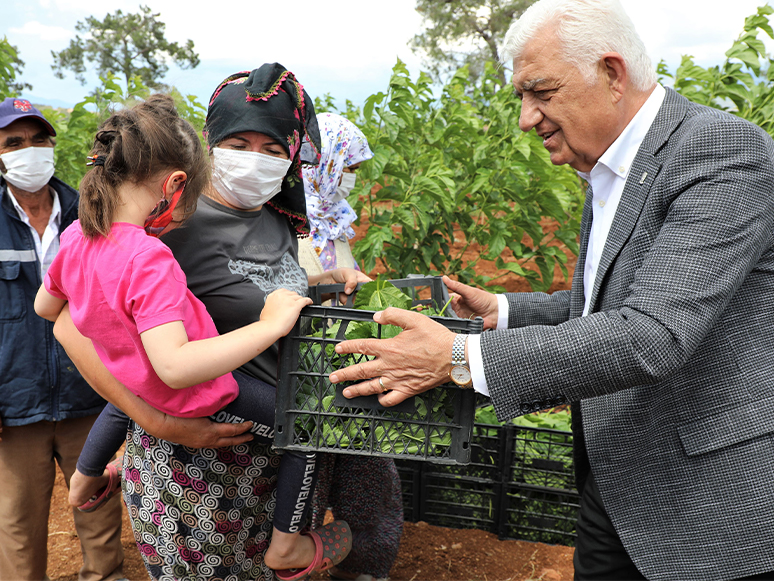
{"x": 99, "y": 197}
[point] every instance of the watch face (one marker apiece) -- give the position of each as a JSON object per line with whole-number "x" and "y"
{"x": 460, "y": 375}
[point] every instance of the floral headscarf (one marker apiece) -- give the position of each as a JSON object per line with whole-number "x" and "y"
{"x": 343, "y": 145}
{"x": 270, "y": 100}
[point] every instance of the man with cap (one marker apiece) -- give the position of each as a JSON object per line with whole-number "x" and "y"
{"x": 46, "y": 407}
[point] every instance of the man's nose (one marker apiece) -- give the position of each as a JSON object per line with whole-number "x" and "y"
{"x": 530, "y": 114}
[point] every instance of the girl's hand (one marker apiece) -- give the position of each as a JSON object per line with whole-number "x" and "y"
{"x": 282, "y": 308}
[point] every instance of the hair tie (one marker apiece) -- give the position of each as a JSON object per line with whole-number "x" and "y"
{"x": 95, "y": 160}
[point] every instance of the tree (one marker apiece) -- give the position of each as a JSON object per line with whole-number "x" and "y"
{"x": 124, "y": 44}
{"x": 743, "y": 84}
{"x": 460, "y": 32}
{"x": 10, "y": 67}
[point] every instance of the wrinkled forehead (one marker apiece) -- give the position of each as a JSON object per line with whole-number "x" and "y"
{"x": 541, "y": 61}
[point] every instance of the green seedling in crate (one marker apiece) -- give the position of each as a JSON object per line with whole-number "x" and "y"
{"x": 391, "y": 436}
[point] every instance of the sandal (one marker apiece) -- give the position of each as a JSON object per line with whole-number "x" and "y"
{"x": 332, "y": 542}
{"x": 115, "y": 468}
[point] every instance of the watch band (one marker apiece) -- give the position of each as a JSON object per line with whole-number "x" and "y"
{"x": 458, "y": 350}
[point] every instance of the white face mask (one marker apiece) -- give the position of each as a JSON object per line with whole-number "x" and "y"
{"x": 29, "y": 169}
{"x": 247, "y": 179}
{"x": 345, "y": 187}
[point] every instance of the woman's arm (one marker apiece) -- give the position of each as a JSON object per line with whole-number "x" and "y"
{"x": 191, "y": 432}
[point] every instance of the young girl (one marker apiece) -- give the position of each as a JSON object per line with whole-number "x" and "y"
{"x": 127, "y": 293}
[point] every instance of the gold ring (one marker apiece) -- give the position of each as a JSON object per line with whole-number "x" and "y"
{"x": 381, "y": 384}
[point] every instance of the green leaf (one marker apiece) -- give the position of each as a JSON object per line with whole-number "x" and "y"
{"x": 379, "y": 294}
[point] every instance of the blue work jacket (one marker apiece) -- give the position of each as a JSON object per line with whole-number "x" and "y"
{"x": 38, "y": 382}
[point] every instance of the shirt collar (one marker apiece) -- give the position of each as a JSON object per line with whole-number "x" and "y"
{"x": 619, "y": 156}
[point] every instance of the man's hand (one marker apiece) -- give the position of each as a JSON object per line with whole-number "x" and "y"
{"x": 416, "y": 360}
{"x": 470, "y": 302}
{"x": 199, "y": 432}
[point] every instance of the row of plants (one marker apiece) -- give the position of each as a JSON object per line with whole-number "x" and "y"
{"x": 456, "y": 168}
{"x": 452, "y": 171}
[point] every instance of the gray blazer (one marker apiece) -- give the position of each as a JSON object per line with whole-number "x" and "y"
{"x": 674, "y": 365}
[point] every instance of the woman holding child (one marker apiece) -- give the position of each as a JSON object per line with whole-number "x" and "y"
{"x": 208, "y": 513}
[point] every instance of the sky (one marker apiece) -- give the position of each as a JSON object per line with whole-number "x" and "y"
{"x": 343, "y": 48}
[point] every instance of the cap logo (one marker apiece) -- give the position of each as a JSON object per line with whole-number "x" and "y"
{"x": 22, "y": 105}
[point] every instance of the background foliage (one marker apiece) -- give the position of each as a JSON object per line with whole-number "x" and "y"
{"x": 451, "y": 170}
{"x": 458, "y": 162}
{"x": 10, "y": 68}
{"x": 743, "y": 84}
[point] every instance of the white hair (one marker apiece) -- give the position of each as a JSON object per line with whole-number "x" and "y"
{"x": 587, "y": 29}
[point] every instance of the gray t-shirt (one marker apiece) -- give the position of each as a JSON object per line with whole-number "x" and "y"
{"x": 232, "y": 260}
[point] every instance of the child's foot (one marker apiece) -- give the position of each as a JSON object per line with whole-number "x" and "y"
{"x": 289, "y": 551}
{"x": 89, "y": 493}
{"x": 332, "y": 543}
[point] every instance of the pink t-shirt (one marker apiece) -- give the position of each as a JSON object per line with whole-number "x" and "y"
{"x": 121, "y": 286}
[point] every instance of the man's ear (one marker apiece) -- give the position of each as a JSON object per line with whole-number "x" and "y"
{"x": 614, "y": 70}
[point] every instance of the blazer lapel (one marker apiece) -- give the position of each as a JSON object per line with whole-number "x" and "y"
{"x": 643, "y": 172}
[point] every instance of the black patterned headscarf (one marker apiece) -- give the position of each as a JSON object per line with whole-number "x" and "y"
{"x": 270, "y": 100}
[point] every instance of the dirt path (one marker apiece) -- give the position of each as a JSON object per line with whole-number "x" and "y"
{"x": 427, "y": 553}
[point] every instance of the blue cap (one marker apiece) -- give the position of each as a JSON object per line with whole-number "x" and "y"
{"x": 12, "y": 109}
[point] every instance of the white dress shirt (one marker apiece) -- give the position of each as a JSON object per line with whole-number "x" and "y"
{"x": 607, "y": 179}
{"x": 48, "y": 246}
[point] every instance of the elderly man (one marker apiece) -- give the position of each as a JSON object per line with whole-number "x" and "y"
{"x": 46, "y": 408}
{"x": 666, "y": 340}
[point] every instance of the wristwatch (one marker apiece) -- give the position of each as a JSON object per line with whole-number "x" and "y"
{"x": 460, "y": 372}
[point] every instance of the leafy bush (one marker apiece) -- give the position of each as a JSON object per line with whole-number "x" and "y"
{"x": 459, "y": 161}
{"x": 453, "y": 171}
{"x": 742, "y": 85}
{"x": 10, "y": 68}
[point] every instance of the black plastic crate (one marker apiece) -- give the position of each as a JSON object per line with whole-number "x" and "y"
{"x": 541, "y": 514}
{"x": 417, "y": 287}
{"x": 519, "y": 484}
{"x": 313, "y": 415}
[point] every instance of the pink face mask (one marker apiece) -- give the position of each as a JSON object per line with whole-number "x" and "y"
{"x": 161, "y": 216}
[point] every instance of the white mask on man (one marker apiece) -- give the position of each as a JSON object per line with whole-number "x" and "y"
{"x": 29, "y": 169}
{"x": 247, "y": 179}
{"x": 345, "y": 187}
